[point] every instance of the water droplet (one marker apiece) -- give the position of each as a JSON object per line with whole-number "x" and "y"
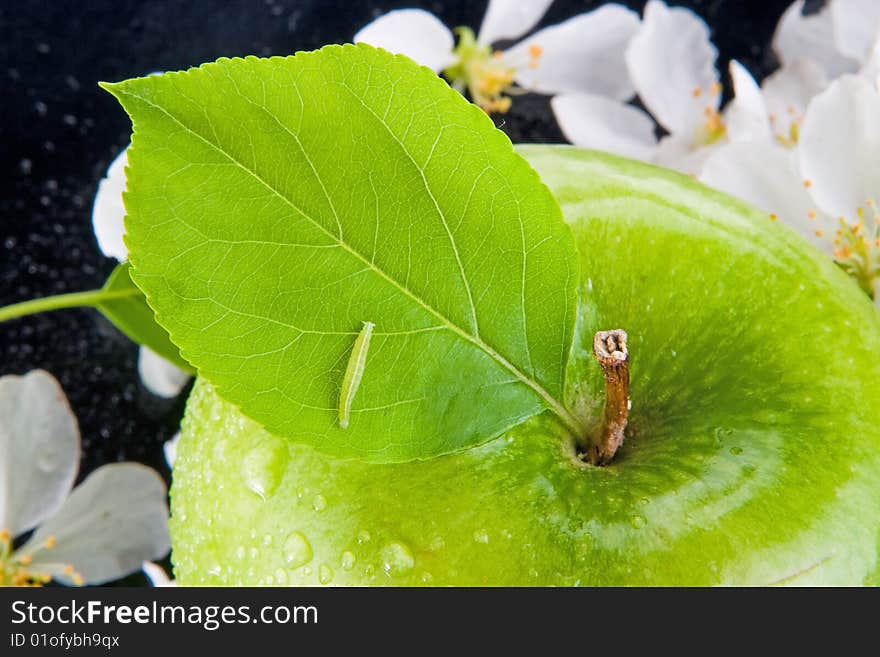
{"x": 239, "y": 552}
{"x": 253, "y": 553}
{"x": 644, "y": 500}
{"x": 348, "y": 560}
{"x": 267, "y": 540}
{"x": 736, "y": 451}
{"x": 263, "y": 467}
{"x": 319, "y": 503}
{"x": 426, "y": 578}
{"x": 396, "y": 559}
{"x": 363, "y": 537}
{"x": 281, "y": 577}
{"x": 297, "y": 550}
{"x": 307, "y": 570}
{"x": 481, "y": 536}
{"x": 325, "y": 574}
{"x": 437, "y": 544}
{"x": 638, "y": 522}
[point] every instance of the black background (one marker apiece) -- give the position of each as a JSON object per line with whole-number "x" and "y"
{"x": 59, "y": 131}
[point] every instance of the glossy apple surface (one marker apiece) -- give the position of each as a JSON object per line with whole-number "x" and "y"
{"x": 752, "y": 456}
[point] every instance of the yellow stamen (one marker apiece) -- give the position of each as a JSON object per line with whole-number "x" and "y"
{"x": 77, "y": 579}
{"x": 697, "y": 92}
{"x": 716, "y": 88}
{"x": 25, "y": 560}
{"x": 808, "y": 183}
{"x": 811, "y": 214}
{"x": 69, "y": 570}
{"x": 535, "y": 52}
{"x": 51, "y": 542}
{"x": 773, "y": 217}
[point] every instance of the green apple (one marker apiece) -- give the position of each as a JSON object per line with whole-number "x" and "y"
{"x": 752, "y": 454}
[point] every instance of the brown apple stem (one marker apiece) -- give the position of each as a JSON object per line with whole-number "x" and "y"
{"x": 609, "y": 348}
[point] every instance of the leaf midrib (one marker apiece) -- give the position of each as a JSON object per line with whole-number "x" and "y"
{"x": 572, "y": 423}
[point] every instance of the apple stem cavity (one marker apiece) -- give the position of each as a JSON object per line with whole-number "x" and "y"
{"x": 609, "y": 348}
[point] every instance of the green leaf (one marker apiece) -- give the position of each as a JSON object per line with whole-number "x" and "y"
{"x": 276, "y": 205}
{"x": 125, "y": 305}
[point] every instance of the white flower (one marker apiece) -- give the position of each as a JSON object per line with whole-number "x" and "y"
{"x": 774, "y": 111}
{"x": 856, "y": 27}
{"x": 812, "y": 36}
{"x": 828, "y": 186}
{"x": 154, "y": 572}
{"x": 581, "y": 54}
{"x": 100, "y": 531}
{"x": 157, "y": 575}
{"x": 170, "y": 449}
{"x": 108, "y": 213}
{"x": 671, "y": 62}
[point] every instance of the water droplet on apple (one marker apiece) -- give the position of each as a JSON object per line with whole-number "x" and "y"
{"x": 267, "y": 540}
{"x": 325, "y": 574}
{"x": 426, "y": 578}
{"x": 297, "y": 550}
{"x": 253, "y": 553}
{"x": 481, "y": 536}
{"x": 319, "y": 503}
{"x": 396, "y": 559}
{"x": 638, "y": 522}
{"x": 240, "y": 552}
{"x": 263, "y": 467}
{"x": 281, "y": 577}
{"x": 363, "y": 537}
{"x": 348, "y": 560}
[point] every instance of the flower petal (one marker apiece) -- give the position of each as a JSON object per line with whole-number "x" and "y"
{"x": 111, "y": 523}
{"x": 839, "y": 147}
{"x": 509, "y": 19}
{"x": 582, "y": 54}
{"x": 856, "y": 25}
{"x": 156, "y": 574}
{"x": 416, "y": 33}
{"x": 810, "y": 36}
{"x": 746, "y": 115}
{"x": 672, "y": 65}
{"x": 604, "y": 124}
{"x": 170, "y": 449}
{"x": 764, "y": 175}
{"x": 788, "y": 92}
{"x": 39, "y": 449}
{"x": 871, "y": 69}
{"x": 160, "y": 376}
{"x": 108, "y": 212}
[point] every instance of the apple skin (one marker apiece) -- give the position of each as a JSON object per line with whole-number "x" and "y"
{"x": 752, "y": 455}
